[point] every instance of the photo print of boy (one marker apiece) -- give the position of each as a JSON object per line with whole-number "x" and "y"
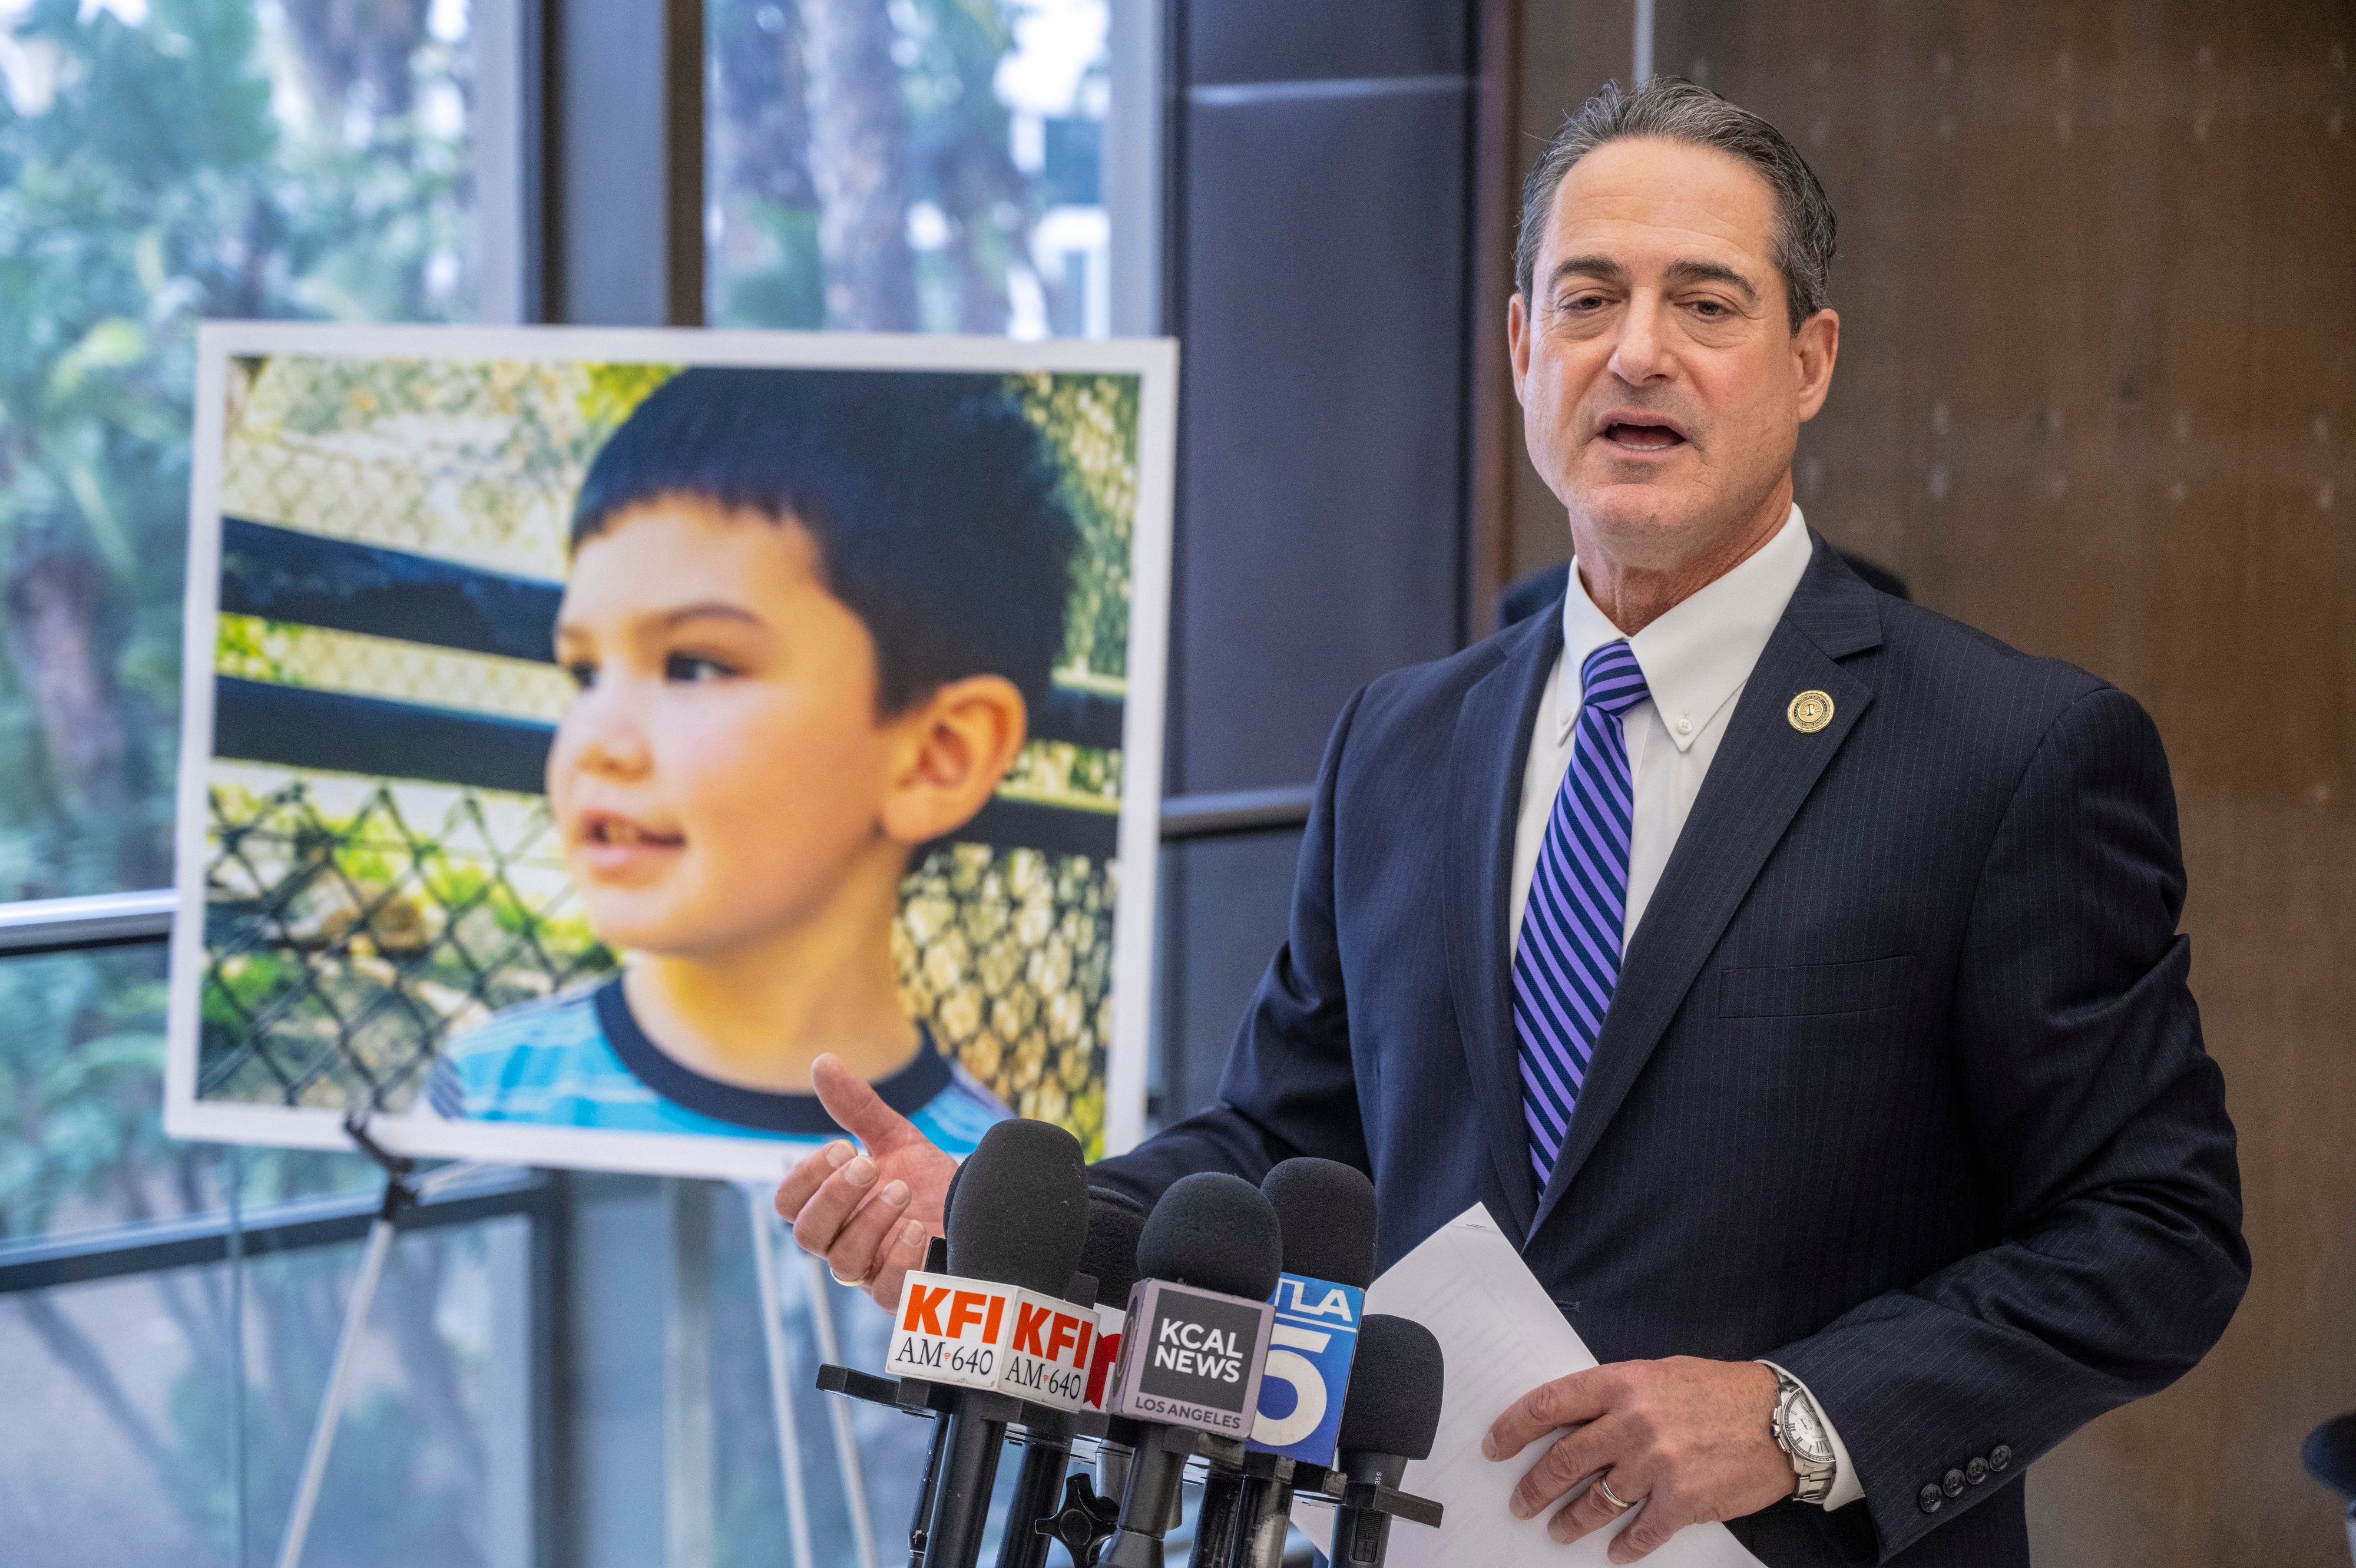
{"x": 807, "y": 620}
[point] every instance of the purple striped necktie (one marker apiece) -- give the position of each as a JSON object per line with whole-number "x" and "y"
{"x": 1569, "y": 961}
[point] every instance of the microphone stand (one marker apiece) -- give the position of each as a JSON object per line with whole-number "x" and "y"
{"x": 1082, "y": 1520}
{"x": 976, "y": 1433}
{"x": 1267, "y": 1512}
{"x": 916, "y": 1398}
{"x": 919, "y": 1523}
{"x": 1370, "y": 1498}
{"x": 1039, "y": 1500}
{"x": 1032, "y": 1512}
{"x": 1115, "y": 1451}
{"x": 1151, "y": 1498}
{"x": 1220, "y": 1511}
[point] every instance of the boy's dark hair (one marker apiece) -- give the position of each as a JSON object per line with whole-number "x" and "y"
{"x": 931, "y": 496}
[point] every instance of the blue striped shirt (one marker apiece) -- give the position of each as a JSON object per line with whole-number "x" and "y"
{"x": 579, "y": 1060}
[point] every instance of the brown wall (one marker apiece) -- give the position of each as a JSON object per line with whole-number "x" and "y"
{"x": 2097, "y": 395}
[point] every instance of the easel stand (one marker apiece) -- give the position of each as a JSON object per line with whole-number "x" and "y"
{"x": 398, "y": 1195}
{"x": 402, "y": 1193}
{"x": 781, "y": 1389}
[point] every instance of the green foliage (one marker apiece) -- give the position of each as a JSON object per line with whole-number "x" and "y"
{"x": 1091, "y": 422}
{"x": 157, "y": 182}
{"x": 345, "y": 945}
{"x": 959, "y": 135}
{"x": 769, "y": 270}
{"x": 80, "y": 1065}
{"x": 615, "y": 389}
{"x": 783, "y": 282}
{"x": 197, "y": 164}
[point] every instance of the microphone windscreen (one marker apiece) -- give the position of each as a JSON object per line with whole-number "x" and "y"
{"x": 948, "y": 1198}
{"x": 1326, "y": 1210}
{"x": 2330, "y": 1453}
{"x": 1396, "y": 1380}
{"x": 1115, "y": 1222}
{"x": 1214, "y": 1232}
{"x": 1022, "y": 1208}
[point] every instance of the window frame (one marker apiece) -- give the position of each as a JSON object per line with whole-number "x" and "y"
{"x": 566, "y": 258}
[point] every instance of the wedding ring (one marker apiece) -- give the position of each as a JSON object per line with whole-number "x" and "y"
{"x": 1603, "y": 1485}
{"x": 851, "y": 1284}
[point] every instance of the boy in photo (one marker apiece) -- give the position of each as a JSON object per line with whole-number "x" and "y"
{"x": 808, "y": 614}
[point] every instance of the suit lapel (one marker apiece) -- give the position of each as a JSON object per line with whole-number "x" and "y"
{"x": 1764, "y": 772}
{"x": 1485, "y": 759}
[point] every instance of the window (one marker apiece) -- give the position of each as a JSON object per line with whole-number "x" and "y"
{"x": 167, "y": 1311}
{"x": 926, "y": 165}
{"x": 162, "y": 161}
{"x": 133, "y": 1437}
{"x": 921, "y": 165}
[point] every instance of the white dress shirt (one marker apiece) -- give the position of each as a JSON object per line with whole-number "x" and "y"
{"x": 1696, "y": 657}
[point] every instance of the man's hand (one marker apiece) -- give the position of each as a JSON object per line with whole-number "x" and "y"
{"x": 1687, "y": 1437}
{"x": 868, "y": 1215}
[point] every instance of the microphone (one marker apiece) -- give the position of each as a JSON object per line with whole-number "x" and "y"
{"x": 1116, "y": 1222}
{"x": 1108, "y": 1271}
{"x": 2331, "y": 1455}
{"x": 1192, "y": 1346}
{"x": 1389, "y": 1418}
{"x": 1326, "y": 1210}
{"x": 936, "y": 1262}
{"x": 1014, "y": 1238}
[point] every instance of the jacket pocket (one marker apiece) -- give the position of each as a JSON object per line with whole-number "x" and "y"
{"x": 1814, "y": 990}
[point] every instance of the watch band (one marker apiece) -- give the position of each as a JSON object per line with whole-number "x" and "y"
{"x": 1814, "y": 1477}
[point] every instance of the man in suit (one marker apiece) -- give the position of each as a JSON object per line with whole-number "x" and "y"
{"x": 1791, "y": 971}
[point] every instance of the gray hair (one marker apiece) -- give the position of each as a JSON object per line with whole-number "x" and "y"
{"x": 1675, "y": 109}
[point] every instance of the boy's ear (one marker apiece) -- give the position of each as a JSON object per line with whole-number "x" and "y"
{"x": 957, "y": 745}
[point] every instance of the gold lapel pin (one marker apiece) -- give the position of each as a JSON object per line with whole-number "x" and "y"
{"x": 1810, "y": 712}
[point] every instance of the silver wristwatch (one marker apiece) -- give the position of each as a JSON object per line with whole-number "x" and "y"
{"x": 1798, "y": 1428}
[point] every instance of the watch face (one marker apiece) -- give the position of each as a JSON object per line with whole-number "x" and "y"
{"x": 1805, "y": 1431}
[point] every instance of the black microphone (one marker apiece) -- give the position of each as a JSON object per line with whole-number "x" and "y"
{"x": 1327, "y": 1212}
{"x": 1108, "y": 1272}
{"x": 936, "y": 1262}
{"x": 1389, "y": 1418}
{"x": 1192, "y": 1346}
{"x": 1014, "y": 1238}
{"x": 2331, "y": 1455}
{"x": 1116, "y": 1223}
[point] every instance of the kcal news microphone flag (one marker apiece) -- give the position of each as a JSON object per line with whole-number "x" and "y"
{"x": 1191, "y": 1357}
{"x": 1310, "y": 1344}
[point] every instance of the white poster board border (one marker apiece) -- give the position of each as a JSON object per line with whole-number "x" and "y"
{"x": 423, "y": 1134}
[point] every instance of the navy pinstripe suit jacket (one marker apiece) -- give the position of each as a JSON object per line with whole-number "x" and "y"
{"x": 1903, "y": 1086}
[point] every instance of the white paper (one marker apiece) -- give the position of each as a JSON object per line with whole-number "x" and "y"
{"x": 1501, "y": 1336}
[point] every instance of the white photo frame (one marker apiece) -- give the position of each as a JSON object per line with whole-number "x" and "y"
{"x": 228, "y": 350}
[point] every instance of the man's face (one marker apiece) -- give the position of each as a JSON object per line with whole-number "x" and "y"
{"x": 1661, "y": 386}
{"x": 720, "y": 768}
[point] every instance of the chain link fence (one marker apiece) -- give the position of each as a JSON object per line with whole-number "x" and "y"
{"x": 345, "y": 938}
{"x": 351, "y": 931}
